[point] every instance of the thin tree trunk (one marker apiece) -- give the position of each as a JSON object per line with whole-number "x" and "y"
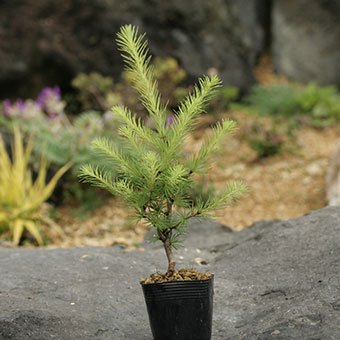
{"x": 170, "y": 256}
{"x": 168, "y": 250}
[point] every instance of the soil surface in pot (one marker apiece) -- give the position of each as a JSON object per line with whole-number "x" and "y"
{"x": 180, "y": 275}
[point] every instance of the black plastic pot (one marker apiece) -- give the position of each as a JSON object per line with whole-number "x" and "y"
{"x": 180, "y": 310}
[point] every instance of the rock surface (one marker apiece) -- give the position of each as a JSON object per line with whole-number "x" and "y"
{"x": 305, "y": 40}
{"x": 333, "y": 179}
{"x": 276, "y": 280}
{"x": 49, "y": 42}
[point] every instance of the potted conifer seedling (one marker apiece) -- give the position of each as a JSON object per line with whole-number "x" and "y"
{"x": 153, "y": 175}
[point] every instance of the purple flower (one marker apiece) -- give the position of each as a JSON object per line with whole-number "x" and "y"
{"x": 13, "y": 109}
{"x": 21, "y": 109}
{"x": 47, "y": 93}
{"x": 50, "y": 101}
{"x": 20, "y": 104}
{"x": 170, "y": 120}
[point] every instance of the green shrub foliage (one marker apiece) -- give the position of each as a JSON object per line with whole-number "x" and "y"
{"x": 152, "y": 174}
{"x": 320, "y": 105}
{"x": 264, "y": 141}
{"x": 273, "y": 100}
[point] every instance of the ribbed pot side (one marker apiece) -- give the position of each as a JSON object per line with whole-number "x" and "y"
{"x": 180, "y": 310}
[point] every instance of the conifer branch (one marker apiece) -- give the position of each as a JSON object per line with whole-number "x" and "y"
{"x": 96, "y": 177}
{"x": 138, "y": 133}
{"x": 220, "y": 131}
{"x": 233, "y": 192}
{"x": 189, "y": 109}
{"x": 109, "y": 150}
{"x": 135, "y": 51}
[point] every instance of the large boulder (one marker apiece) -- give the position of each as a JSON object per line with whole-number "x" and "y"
{"x": 333, "y": 179}
{"x": 46, "y": 42}
{"x": 305, "y": 40}
{"x": 275, "y": 280}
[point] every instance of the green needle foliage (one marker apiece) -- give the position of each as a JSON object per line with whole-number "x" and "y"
{"x": 152, "y": 174}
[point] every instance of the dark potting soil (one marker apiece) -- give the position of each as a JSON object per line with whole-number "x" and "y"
{"x": 189, "y": 274}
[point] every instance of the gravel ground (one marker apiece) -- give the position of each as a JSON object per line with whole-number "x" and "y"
{"x": 286, "y": 185}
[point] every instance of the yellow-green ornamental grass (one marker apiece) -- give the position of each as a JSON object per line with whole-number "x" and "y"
{"x": 152, "y": 174}
{"x": 21, "y": 198}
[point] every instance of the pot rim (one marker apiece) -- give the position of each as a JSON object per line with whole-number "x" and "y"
{"x": 178, "y": 282}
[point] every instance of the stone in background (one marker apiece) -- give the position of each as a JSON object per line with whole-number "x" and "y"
{"x": 333, "y": 179}
{"x": 49, "y": 42}
{"x": 305, "y": 40}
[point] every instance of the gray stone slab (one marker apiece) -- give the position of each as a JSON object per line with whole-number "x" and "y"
{"x": 276, "y": 280}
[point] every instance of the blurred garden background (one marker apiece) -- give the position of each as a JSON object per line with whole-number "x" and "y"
{"x": 61, "y": 73}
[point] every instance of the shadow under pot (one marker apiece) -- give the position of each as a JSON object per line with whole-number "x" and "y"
{"x": 180, "y": 310}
